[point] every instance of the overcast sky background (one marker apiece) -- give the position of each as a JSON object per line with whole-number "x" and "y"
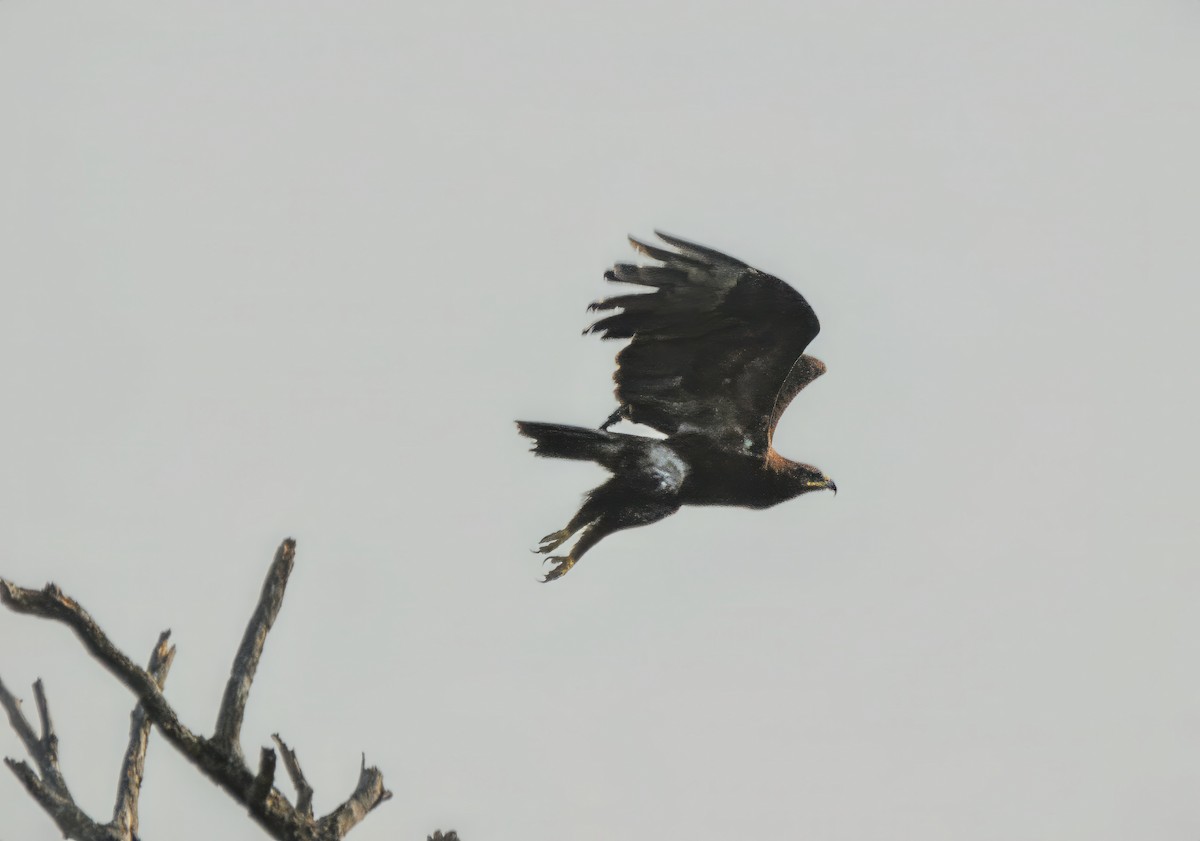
{"x": 280, "y": 268}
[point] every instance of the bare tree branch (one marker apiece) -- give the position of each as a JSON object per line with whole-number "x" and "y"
{"x": 245, "y": 663}
{"x": 51, "y": 603}
{"x": 125, "y": 815}
{"x": 49, "y": 737}
{"x": 263, "y": 780}
{"x": 20, "y": 724}
{"x": 369, "y": 794}
{"x": 72, "y": 821}
{"x": 304, "y": 792}
{"x": 219, "y": 758}
{"x": 49, "y": 789}
{"x": 43, "y": 749}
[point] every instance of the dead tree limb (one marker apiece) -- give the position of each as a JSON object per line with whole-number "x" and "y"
{"x": 129, "y": 788}
{"x": 219, "y": 757}
{"x": 49, "y": 788}
{"x": 304, "y": 792}
{"x": 237, "y": 691}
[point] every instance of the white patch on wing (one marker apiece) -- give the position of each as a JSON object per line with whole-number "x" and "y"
{"x": 667, "y": 467}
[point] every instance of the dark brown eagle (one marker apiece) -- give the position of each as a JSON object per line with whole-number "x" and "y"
{"x": 716, "y": 353}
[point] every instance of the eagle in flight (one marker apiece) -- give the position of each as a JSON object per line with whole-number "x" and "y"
{"x": 715, "y": 354}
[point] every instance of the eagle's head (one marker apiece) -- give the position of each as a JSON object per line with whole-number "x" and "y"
{"x": 793, "y": 478}
{"x": 807, "y": 478}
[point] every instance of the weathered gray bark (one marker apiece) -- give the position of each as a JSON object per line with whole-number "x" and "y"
{"x": 219, "y": 757}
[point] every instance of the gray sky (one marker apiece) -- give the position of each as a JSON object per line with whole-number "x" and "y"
{"x": 278, "y": 269}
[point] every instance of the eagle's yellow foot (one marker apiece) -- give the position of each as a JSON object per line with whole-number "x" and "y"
{"x": 552, "y": 541}
{"x": 562, "y": 564}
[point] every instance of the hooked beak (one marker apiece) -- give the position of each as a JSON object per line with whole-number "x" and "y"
{"x": 829, "y": 483}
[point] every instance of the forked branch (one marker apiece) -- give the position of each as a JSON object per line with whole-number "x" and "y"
{"x": 48, "y": 787}
{"x": 220, "y": 757}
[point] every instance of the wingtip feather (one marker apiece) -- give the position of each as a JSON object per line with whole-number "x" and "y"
{"x": 695, "y": 250}
{"x": 671, "y": 258}
{"x": 642, "y": 247}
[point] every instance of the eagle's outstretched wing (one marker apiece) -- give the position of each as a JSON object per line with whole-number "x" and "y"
{"x": 718, "y": 348}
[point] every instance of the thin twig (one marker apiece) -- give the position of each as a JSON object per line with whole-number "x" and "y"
{"x": 48, "y": 755}
{"x": 20, "y": 724}
{"x": 304, "y": 792}
{"x": 49, "y": 737}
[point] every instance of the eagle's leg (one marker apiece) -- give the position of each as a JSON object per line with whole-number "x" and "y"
{"x": 590, "y": 511}
{"x": 635, "y": 512}
{"x": 616, "y": 416}
{"x": 553, "y": 540}
{"x": 593, "y": 534}
{"x": 562, "y": 565}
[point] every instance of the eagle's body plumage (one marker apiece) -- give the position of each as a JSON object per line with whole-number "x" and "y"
{"x": 715, "y": 355}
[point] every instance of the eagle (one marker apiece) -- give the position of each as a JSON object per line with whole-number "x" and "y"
{"x": 715, "y": 355}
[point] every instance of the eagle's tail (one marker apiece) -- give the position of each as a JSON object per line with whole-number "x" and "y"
{"x": 554, "y": 440}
